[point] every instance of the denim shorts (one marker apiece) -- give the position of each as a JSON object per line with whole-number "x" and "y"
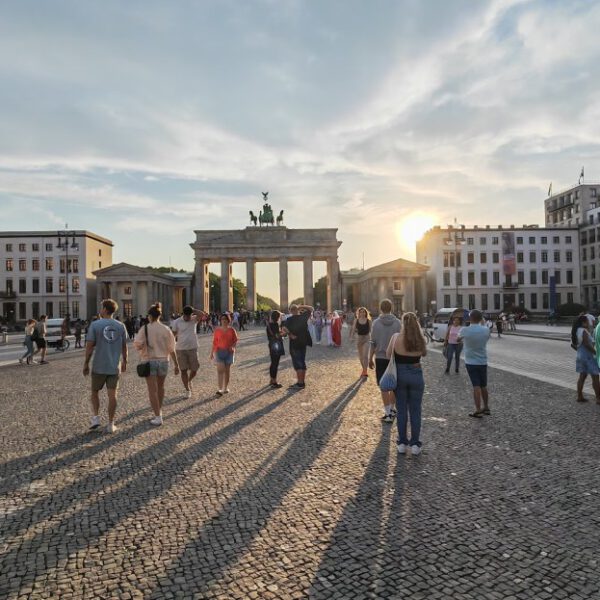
{"x": 298, "y": 356}
{"x": 159, "y": 367}
{"x": 224, "y": 357}
{"x": 477, "y": 375}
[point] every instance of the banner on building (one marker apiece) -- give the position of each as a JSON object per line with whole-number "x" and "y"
{"x": 509, "y": 261}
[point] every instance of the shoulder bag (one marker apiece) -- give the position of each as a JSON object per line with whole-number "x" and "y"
{"x": 275, "y": 344}
{"x": 389, "y": 379}
{"x": 143, "y": 368}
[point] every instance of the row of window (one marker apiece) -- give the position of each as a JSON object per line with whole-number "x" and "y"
{"x": 533, "y": 278}
{"x": 454, "y": 259}
{"x": 591, "y": 272}
{"x": 589, "y": 236}
{"x": 48, "y": 263}
{"x": 35, "y": 247}
{"x": 532, "y": 240}
{"x": 35, "y": 285}
{"x": 49, "y": 311}
{"x": 508, "y": 301}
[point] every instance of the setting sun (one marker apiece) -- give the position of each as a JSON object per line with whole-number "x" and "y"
{"x": 411, "y": 229}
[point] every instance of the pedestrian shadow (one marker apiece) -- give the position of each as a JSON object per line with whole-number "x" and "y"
{"x": 27, "y": 467}
{"x": 155, "y": 456}
{"x": 21, "y": 471}
{"x": 344, "y": 572}
{"x": 260, "y": 496}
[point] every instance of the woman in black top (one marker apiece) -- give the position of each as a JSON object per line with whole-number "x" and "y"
{"x": 275, "y": 346}
{"x": 361, "y": 327}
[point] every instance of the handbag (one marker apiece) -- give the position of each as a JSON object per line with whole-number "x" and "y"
{"x": 275, "y": 344}
{"x": 143, "y": 368}
{"x": 389, "y": 379}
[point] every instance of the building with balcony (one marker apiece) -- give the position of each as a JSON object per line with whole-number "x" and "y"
{"x": 37, "y": 266}
{"x": 402, "y": 281}
{"x": 501, "y": 268}
{"x": 568, "y": 208}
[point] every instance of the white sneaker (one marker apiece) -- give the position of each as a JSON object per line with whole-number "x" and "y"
{"x": 95, "y": 422}
{"x": 157, "y": 420}
{"x": 111, "y": 428}
{"x": 401, "y": 448}
{"x": 188, "y": 393}
{"x": 226, "y": 391}
{"x": 415, "y": 450}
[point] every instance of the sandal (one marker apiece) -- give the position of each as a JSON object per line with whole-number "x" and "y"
{"x": 478, "y": 414}
{"x": 582, "y": 399}
{"x": 486, "y": 411}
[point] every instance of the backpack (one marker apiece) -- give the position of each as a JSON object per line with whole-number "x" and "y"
{"x": 35, "y": 334}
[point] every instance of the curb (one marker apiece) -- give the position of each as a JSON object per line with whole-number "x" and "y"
{"x": 538, "y": 337}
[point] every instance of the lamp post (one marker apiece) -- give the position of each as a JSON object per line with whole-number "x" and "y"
{"x": 63, "y": 244}
{"x": 455, "y": 238}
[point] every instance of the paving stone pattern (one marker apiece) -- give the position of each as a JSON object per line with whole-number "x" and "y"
{"x": 289, "y": 495}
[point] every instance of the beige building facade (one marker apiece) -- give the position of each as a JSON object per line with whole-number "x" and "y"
{"x": 136, "y": 288}
{"x": 402, "y": 281}
{"x": 37, "y": 269}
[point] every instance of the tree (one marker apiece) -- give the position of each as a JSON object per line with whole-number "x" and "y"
{"x": 239, "y": 295}
{"x": 319, "y": 293}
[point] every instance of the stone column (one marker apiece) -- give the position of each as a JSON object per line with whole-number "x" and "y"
{"x": 251, "y": 284}
{"x": 333, "y": 284}
{"x": 135, "y": 298}
{"x": 308, "y": 280}
{"x": 283, "y": 284}
{"x": 202, "y": 285}
{"x": 226, "y": 285}
{"x": 99, "y": 296}
{"x": 410, "y": 294}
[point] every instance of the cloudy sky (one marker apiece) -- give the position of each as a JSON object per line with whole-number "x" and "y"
{"x": 145, "y": 120}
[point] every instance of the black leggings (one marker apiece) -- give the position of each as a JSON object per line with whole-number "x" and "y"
{"x": 274, "y": 365}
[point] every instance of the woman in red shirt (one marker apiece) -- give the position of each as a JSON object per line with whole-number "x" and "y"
{"x": 223, "y": 352}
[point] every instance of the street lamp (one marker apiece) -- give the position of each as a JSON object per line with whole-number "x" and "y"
{"x": 455, "y": 238}
{"x": 63, "y": 244}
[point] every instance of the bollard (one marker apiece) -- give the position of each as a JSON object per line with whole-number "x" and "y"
{"x": 4, "y": 337}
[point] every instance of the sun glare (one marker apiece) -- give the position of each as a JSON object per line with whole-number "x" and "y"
{"x": 411, "y": 229}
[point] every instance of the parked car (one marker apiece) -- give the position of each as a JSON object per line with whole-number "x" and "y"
{"x": 54, "y": 335}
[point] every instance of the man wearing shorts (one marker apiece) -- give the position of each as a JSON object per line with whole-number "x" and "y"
{"x": 475, "y": 338}
{"x": 296, "y": 327}
{"x": 384, "y": 327}
{"x": 185, "y": 330}
{"x": 106, "y": 340}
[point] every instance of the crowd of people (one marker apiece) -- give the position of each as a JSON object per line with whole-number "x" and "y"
{"x": 390, "y": 346}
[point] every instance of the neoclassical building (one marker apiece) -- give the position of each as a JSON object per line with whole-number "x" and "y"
{"x": 402, "y": 281}
{"x": 265, "y": 244}
{"x": 136, "y": 288}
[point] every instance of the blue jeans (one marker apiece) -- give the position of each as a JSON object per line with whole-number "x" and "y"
{"x": 319, "y": 331}
{"x": 409, "y": 395}
{"x": 453, "y": 350}
{"x": 29, "y": 345}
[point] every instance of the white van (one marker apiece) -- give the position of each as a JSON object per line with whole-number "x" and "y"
{"x": 440, "y": 322}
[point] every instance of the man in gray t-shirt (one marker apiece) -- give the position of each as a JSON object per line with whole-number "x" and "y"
{"x": 106, "y": 341}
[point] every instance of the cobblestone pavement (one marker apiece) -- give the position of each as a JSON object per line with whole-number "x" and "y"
{"x": 285, "y": 495}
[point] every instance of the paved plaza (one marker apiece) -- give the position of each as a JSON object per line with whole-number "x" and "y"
{"x": 288, "y": 495}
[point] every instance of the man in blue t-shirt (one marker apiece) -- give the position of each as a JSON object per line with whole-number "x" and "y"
{"x": 475, "y": 339}
{"x": 106, "y": 340}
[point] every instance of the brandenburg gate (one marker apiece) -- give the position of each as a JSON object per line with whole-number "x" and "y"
{"x": 271, "y": 243}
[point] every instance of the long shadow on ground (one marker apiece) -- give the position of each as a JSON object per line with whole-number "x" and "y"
{"x": 259, "y": 497}
{"x": 122, "y": 502}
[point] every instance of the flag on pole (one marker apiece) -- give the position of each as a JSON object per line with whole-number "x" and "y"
{"x": 581, "y": 176}
{"x": 550, "y": 190}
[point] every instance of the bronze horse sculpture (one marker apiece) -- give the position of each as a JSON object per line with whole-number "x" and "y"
{"x": 280, "y": 219}
{"x": 253, "y": 218}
